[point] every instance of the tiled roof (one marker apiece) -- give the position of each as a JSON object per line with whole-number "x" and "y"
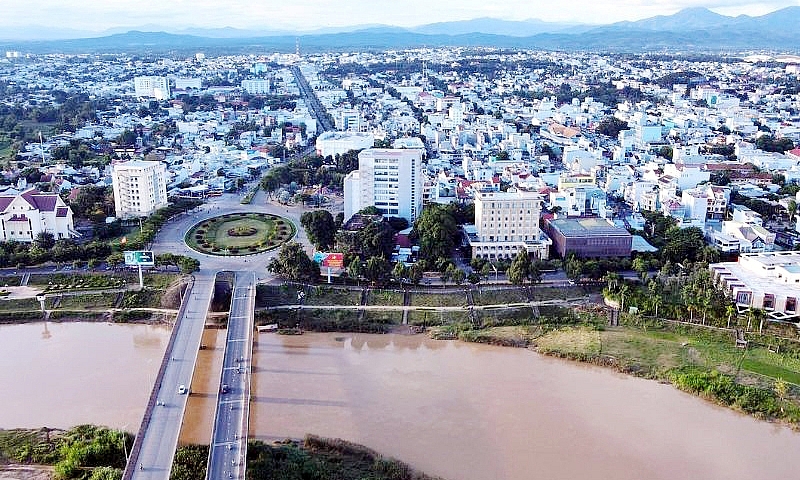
{"x": 5, "y": 202}
{"x": 44, "y": 202}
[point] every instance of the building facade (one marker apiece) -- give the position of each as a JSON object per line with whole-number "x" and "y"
{"x": 588, "y": 237}
{"x": 388, "y": 179}
{"x": 25, "y": 215}
{"x": 140, "y": 188}
{"x": 507, "y": 222}
{"x": 769, "y": 281}
{"x": 152, "y": 87}
{"x": 338, "y": 143}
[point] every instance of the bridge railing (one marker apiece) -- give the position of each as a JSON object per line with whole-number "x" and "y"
{"x": 133, "y": 459}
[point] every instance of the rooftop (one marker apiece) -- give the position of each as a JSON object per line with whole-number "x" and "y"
{"x": 574, "y": 227}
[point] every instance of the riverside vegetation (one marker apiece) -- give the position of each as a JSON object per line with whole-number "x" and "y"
{"x": 88, "y": 452}
{"x": 314, "y": 458}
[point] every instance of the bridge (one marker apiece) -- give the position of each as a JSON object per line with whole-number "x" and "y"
{"x": 154, "y": 448}
{"x": 157, "y": 438}
{"x": 228, "y": 449}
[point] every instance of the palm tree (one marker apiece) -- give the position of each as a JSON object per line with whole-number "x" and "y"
{"x": 623, "y": 290}
{"x": 656, "y": 301}
{"x": 730, "y": 310}
{"x": 757, "y": 314}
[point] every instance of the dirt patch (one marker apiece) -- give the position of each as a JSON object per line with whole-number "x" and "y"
{"x": 26, "y": 472}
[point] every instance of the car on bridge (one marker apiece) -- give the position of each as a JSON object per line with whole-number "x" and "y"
{"x": 182, "y": 390}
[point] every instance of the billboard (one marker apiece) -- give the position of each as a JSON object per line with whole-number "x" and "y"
{"x": 331, "y": 260}
{"x": 139, "y": 257}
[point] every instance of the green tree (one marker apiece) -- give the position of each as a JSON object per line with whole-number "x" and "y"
{"x": 400, "y": 272}
{"x": 45, "y": 240}
{"x": 458, "y": 276}
{"x": 415, "y": 273}
{"x": 520, "y": 268}
{"x": 377, "y": 269}
{"x": 640, "y": 266}
{"x": 355, "y": 269}
{"x": 294, "y": 264}
{"x": 611, "y": 126}
{"x": 320, "y": 228}
{"x": 437, "y": 231}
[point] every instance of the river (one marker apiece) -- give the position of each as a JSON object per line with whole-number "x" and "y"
{"x": 476, "y": 412}
{"x": 65, "y": 374}
{"x": 459, "y": 410}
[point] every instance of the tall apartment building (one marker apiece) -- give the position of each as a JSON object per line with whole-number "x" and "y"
{"x": 152, "y": 87}
{"x": 507, "y": 222}
{"x": 388, "y": 179}
{"x": 140, "y": 188}
{"x": 257, "y": 86}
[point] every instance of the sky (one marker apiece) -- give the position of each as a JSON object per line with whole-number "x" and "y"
{"x": 301, "y": 15}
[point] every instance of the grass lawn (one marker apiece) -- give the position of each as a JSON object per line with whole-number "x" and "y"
{"x": 654, "y": 352}
{"x": 95, "y": 300}
{"x": 239, "y": 234}
{"x": 455, "y": 299}
{"x": 429, "y": 318}
{"x": 484, "y": 296}
{"x": 332, "y": 296}
{"x": 384, "y": 297}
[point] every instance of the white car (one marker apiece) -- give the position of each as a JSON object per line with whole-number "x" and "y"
{"x": 182, "y": 389}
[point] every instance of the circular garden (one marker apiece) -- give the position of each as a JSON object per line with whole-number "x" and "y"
{"x": 239, "y": 234}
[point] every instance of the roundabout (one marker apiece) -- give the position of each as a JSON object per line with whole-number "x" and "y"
{"x": 236, "y": 234}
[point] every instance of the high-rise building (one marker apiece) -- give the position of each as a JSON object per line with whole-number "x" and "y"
{"x": 507, "y": 222}
{"x": 258, "y": 86}
{"x": 152, "y": 87}
{"x": 388, "y": 179}
{"x": 140, "y": 188}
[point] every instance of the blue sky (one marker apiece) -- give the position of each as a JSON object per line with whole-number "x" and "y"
{"x": 312, "y": 14}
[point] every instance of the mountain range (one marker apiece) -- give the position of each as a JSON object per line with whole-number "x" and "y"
{"x": 696, "y": 29}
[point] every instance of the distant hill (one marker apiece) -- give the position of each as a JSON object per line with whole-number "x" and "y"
{"x": 693, "y": 29}
{"x": 492, "y": 26}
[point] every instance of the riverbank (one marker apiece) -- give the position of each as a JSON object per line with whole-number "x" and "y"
{"x": 316, "y": 457}
{"x": 761, "y": 380}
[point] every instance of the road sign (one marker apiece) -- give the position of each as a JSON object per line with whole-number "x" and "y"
{"x": 139, "y": 258}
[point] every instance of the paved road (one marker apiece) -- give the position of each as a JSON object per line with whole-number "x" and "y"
{"x": 152, "y": 458}
{"x": 311, "y": 100}
{"x": 170, "y": 237}
{"x": 229, "y": 438}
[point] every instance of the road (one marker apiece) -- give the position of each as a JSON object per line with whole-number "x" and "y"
{"x": 229, "y": 437}
{"x": 154, "y": 449}
{"x": 312, "y": 101}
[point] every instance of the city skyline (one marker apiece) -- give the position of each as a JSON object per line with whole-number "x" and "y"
{"x": 311, "y": 15}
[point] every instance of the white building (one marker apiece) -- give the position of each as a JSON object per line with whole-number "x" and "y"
{"x": 338, "y": 143}
{"x": 23, "y": 216}
{"x": 348, "y": 120}
{"x": 257, "y": 86}
{"x": 140, "y": 188}
{"x": 388, "y": 179}
{"x": 768, "y": 280}
{"x": 507, "y": 222}
{"x": 151, "y": 87}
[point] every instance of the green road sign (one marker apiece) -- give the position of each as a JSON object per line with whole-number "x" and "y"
{"x": 143, "y": 258}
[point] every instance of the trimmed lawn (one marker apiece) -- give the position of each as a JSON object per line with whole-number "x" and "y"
{"x": 239, "y": 234}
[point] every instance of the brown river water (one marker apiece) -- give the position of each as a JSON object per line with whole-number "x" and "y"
{"x": 65, "y": 374}
{"x": 476, "y": 412}
{"x": 459, "y": 410}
